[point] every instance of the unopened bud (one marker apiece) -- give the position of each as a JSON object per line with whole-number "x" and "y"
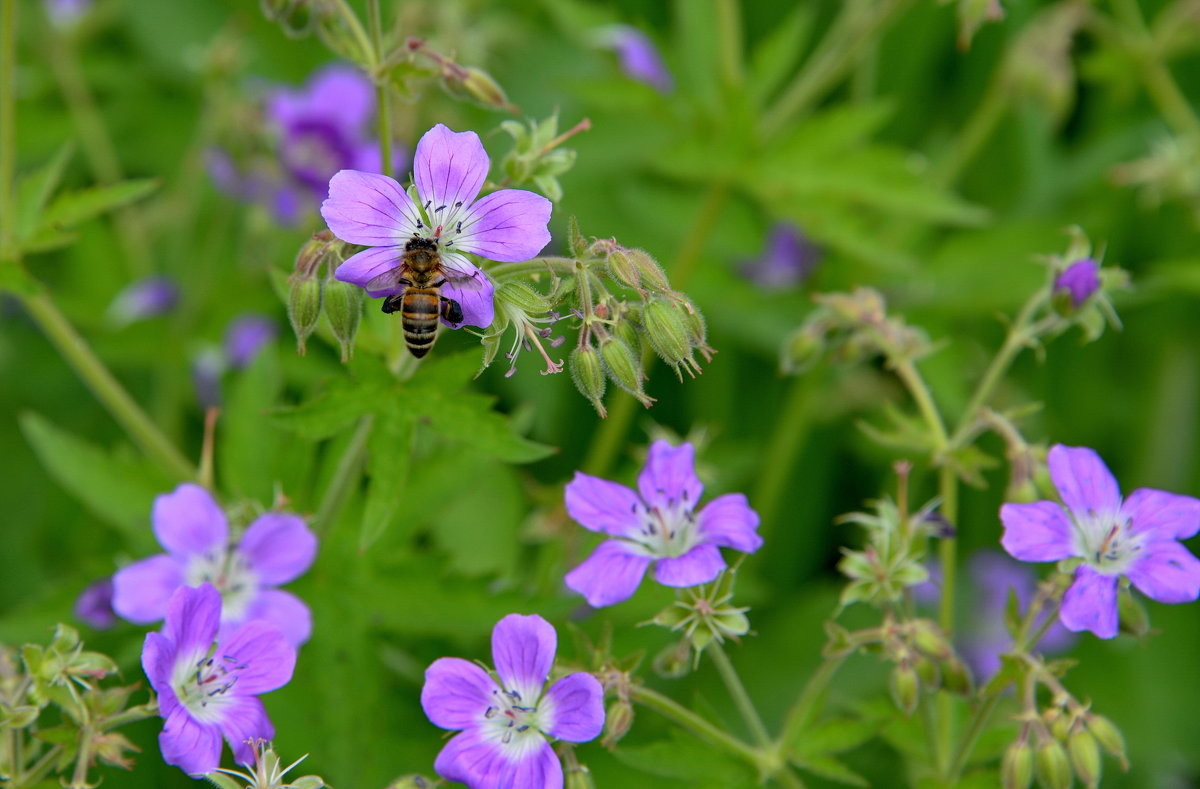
{"x": 1085, "y": 755}
{"x": 523, "y": 297}
{"x": 304, "y": 309}
{"x": 1016, "y": 768}
{"x": 579, "y": 777}
{"x": 674, "y": 661}
{"x": 1075, "y": 285}
{"x": 480, "y": 86}
{"x": 617, "y": 722}
{"x": 802, "y": 349}
{"x": 343, "y": 307}
{"x": 956, "y": 677}
{"x": 733, "y": 624}
{"x": 650, "y": 273}
{"x": 927, "y": 672}
{"x": 905, "y": 687}
{"x": 587, "y": 370}
{"x": 1108, "y": 735}
{"x": 667, "y": 333}
{"x": 624, "y": 368}
{"x": 620, "y": 266}
{"x": 410, "y": 782}
{"x": 575, "y": 240}
{"x": 1059, "y": 723}
{"x": 1132, "y": 614}
{"x": 1051, "y": 765}
{"x": 929, "y": 639}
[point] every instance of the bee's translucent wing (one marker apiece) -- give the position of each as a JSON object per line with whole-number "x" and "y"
{"x": 388, "y": 280}
{"x": 462, "y": 275}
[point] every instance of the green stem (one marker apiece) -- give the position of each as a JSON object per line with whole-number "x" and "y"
{"x": 791, "y": 431}
{"x": 975, "y": 133}
{"x": 805, "y": 708}
{"x": 8, "y": 127}
{"x": 854, "y": 30}
{"x": 503, "y": 271}
{"x": 919, "y": 390}
{"x": 358, "y": 31}
{"x": 40, "y": 769}
{"x": 346, "y": 473}
{"x": 383, "y": 95}
{"x": 105, "y": 387}
{"x": 698, "y": 726}
{"x": 1161, "y": 86}
{"x": 729, "y": 28}
{"x": 737, "y": 690}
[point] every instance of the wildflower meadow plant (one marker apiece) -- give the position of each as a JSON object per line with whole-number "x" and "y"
{"x": 587, "y": 188}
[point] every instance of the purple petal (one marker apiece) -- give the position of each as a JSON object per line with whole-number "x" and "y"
{"x": 243, "y": 721}
{"x": 1038, "y": 532}
{"x": 477, "y": 300}
{"x": 449, "y": 168}
{"x": 279, "y": 547}
{"x": 469, "y": 759}
{"x": 456, "y": 693}
{"x": 574, "y": 705}
{"x": 94, "y": 605}
{"x": 670, "y": 475}
{"x": 193, "y": 617}
{"x": 267, "y": 658}
{"x": 602, "y": 506}
{"x": 639, "y": 57}
{"x": 535, "y": 766}
{"x": 366, "y": 158}
{"x": 1167, "y": 572}
{"x": 523, "y": 649}
{"x": 1083, "y": 481}
{"x": 1167, "y": 514}
{"x": 285, "y": 611}
{"x": 698, "y": 566}
{"x": 369, "y": 209}
{"x": 365, "y": 266}
{"x": 186, "y": 743}
{"x": 728, "y": 521}
{"x": 246, "y": 336}
{"x": 610, "y": 575}
{"x": 141, "y": 590}
{"x": 508, "y": 225}
{"x": 158, "y": 660}
{"x": 188, "y": 521}
{"x": 343, "y": 95}
{"x": 1080, "y": 280}
{"x": 1091, "y": 603}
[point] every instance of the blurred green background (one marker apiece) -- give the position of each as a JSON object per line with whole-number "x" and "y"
{"x": 684, "y": 177}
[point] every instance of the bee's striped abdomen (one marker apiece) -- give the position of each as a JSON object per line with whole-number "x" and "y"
{"x": 419, "y": 312}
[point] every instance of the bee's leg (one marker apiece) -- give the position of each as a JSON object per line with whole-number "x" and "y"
{"x": 392, "y": 303}
{"x": 451, "y": 311}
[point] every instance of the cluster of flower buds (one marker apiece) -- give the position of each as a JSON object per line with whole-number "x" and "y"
{"x": 311, "y": 293}
{"x": 850, "y": 327}
{"x": 537, "y": 156}
{"x": 924, "y": 659}
{"x": 705, "y": 614}
{"x": 1059, "y": 746}
{"x": 466, "y": 82}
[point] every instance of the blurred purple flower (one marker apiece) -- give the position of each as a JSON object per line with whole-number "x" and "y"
{"x": 787, "y": 260}
{"x": 94, "y": 605}
{"x": 246, "y": 336}
{"x": 145, "y": 298}
{"x": 503, "y": 727}
{"x": 207, "y": 368}
{"x": 639, "y": 58}
{"x": 275, "y": 549}
{"x": 657, "y": 525}
{"x": 66, "y": 13}
{"x": 206, "y": 693}
{"x": 1079, "y": 280}
{"x": 449, "y": 169}
{"x": 1137, "y": 538}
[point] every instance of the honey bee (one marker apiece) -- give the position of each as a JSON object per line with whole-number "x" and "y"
{"x": 422, "y": 274}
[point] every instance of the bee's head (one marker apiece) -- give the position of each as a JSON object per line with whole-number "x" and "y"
{"x": 417, "y": 242}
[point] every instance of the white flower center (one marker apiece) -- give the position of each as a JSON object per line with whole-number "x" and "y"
{"x": 1104, "y": 541}
{"x": 512, "y": 721}
{"x": 445, "y": 222}
{"x": 202, "y": 683}
{"x": 230, "y": 573}
{"x": 666, "y": 530}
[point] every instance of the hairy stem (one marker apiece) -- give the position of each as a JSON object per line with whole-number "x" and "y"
{"x": 677, "y": 713}
{"x": 737, "y": 690}
{"x": 805, "y": 709}
{"x": 358, "y": 31}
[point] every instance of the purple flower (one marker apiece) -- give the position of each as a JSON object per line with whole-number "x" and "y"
{"x": 1079, "y": 280}
{"x": 66, "y": 13}
{"x": 275, "y": 549}
{"x": 145, "y": 298}
{"x": 638, "y": 56}
{"x": 503, "y": 722}
{"x": 206, "y": 693}
{"x": 1137, "y": 538}
{"x": 787, "y": 259}
{"x": 449, "y": 169}
{"x": 656, "y": 525}
{"x": 246, "y": 336}
{"x": 207, "y": 367}
{"x": 94, "y": 605}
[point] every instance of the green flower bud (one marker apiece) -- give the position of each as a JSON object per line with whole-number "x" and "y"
{"x": 1052, "y": 766}
{"x": 1016, "y": 768}
{"x": 905, "y": 687}
{"x": 732, "y": 624}
{"x": 674, "y": 661}
{"x": 617, "y": 722}
{"x": 650, "y": 273}
{"x": 668, "y": 334}
{"x": 622, "y": 269}
{"x": 1085, "y": 755}
{"x": 579, "y": 777}
{"x": 956, "y": 677}
{"x": 410, "y": 782}
{"x": 929, "y": 639}
{"x": 480, "y": 86}
{"x": 802, "y": 349}
{"x": 1132, "y": 614}
{"x": 587, "y": 370}
{"x": 304, "y": 309}
{"x": 523, "y": 297}
{"x": 343, "y": 308}
{"x": 1108, "y": 735}
{"x": 624, "y": 368}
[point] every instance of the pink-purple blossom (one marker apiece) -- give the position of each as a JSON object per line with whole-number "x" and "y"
{"x": 660, "y": 524}
{"x": 206, "y": 692}
{"x": 94, "y": 605}
{"x": 275, "y": 549}
{"x": 788, "y": 258}
{"x": 504, "y": 720}
{"x": 1079, "y": 281}
{"x": 1135, "y": 538}
{"x": 638, "y": 57}
{"x": 246, "y": 336}
{"x": 449, "y": 169}
{"x": 145, "y": 298}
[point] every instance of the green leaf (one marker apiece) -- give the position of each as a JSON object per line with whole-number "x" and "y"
{"x": 828, "y": 767}
{"x": 469, "y": 418}
{"x": 118, "y": 489}
{"x": 15, "y": 279}
{"x": 248, "y": 446}
{"x": 389, "y": 450}
{"x": 834, "y": 736}
{"x": 72, "y": 208}
{"x": 479, "y": 531}
{"x": 333, "y": 411}
{"x": 35, "y": 189}
{"x": 775, "y": 57}
{"x": 699, "y": 764}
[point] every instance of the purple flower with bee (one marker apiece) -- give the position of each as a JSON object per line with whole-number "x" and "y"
{"x": 1135, "y": 538}
{"x": 504, "y": 721}
{"x": 206, "y": 691}
{"x": 660, "y": 524}
{"x": 275, "y": 549}
{"x": 421, "y": 246}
